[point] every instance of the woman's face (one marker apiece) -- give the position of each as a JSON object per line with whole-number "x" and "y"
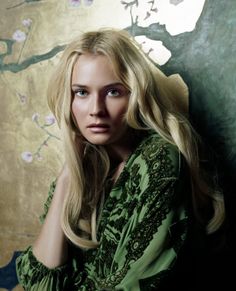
{"x": 99, "y": 100}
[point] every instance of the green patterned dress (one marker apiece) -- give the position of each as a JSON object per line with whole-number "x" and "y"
{"x": 142, "y": 227}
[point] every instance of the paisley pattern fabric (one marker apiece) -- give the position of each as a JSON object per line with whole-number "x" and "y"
{"x": 142, "y": 227}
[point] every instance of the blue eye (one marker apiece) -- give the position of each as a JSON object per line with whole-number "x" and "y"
{"x": 113, "y": 93}
{"x": 81, "y": 93}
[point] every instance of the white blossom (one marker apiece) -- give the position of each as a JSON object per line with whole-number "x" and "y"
{"x": 27, "y": 157}
{"x": 19, "y": 36}
{"x": 154, "y": 49}
{"x": 27, "y": 22}
{"x": 88, "y": 2}
{"x": 75, "y": 3}
{"x": 50, "y": 119}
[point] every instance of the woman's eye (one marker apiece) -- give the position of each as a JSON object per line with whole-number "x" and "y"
{"x": 113, "y": 93}
{"x": 81, "y": 93}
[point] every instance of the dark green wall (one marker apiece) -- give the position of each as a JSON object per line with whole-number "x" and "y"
{"x": 206, "y": 59}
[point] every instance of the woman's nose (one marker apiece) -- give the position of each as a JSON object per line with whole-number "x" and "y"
{"x": 98, "y": 107}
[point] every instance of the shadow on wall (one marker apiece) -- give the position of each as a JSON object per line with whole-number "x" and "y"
{"x": 205, "y": 58}
{"x": 207, "y": 61}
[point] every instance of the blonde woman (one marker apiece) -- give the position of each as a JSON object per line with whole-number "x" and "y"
{"x": 118, "y": 213}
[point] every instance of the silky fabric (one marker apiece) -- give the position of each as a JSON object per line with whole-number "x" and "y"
{"x": 142, "y": 227}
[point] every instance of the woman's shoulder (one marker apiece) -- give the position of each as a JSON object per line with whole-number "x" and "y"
{"x": 157, "y": 152}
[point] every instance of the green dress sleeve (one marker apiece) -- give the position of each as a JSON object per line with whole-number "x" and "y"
{"x": 34, "y": 276}
{"x": 142, "y": 226}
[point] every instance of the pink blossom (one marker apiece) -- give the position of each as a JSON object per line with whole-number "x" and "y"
{"x": 19, "y": 36}
{"x": 27, "y": 157}
{"x": 50, "y": 119}
{"x": 75, "y": 3}
{"x": 27, "y": 22}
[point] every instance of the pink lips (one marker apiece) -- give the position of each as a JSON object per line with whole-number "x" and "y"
{"x": 98, "y": 127}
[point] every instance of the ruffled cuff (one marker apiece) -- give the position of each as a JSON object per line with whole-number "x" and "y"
{"x": 32, "y": 273}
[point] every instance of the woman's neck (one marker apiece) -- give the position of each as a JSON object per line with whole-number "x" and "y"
{"x": 120, "y": 152}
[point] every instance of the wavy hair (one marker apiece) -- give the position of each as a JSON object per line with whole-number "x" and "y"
{"x": 150, "y": 107}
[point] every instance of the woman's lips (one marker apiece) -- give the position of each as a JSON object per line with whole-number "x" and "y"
{"x": 98, "y": 128}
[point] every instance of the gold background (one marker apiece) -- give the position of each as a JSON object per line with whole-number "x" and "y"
{"x": 24, "y": 185}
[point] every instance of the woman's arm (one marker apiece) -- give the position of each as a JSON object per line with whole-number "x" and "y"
{"x": 51, "y": 247}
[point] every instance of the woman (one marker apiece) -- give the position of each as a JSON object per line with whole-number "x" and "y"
{"x": 120, "y": 209}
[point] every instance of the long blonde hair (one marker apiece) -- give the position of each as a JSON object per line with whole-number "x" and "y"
{"x": 149, "y": 108}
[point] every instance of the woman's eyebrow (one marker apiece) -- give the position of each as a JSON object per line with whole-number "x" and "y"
{"x": 78, "y": 86}
{"x": 118, "y": 84}
{"x": 106, "y": 86}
